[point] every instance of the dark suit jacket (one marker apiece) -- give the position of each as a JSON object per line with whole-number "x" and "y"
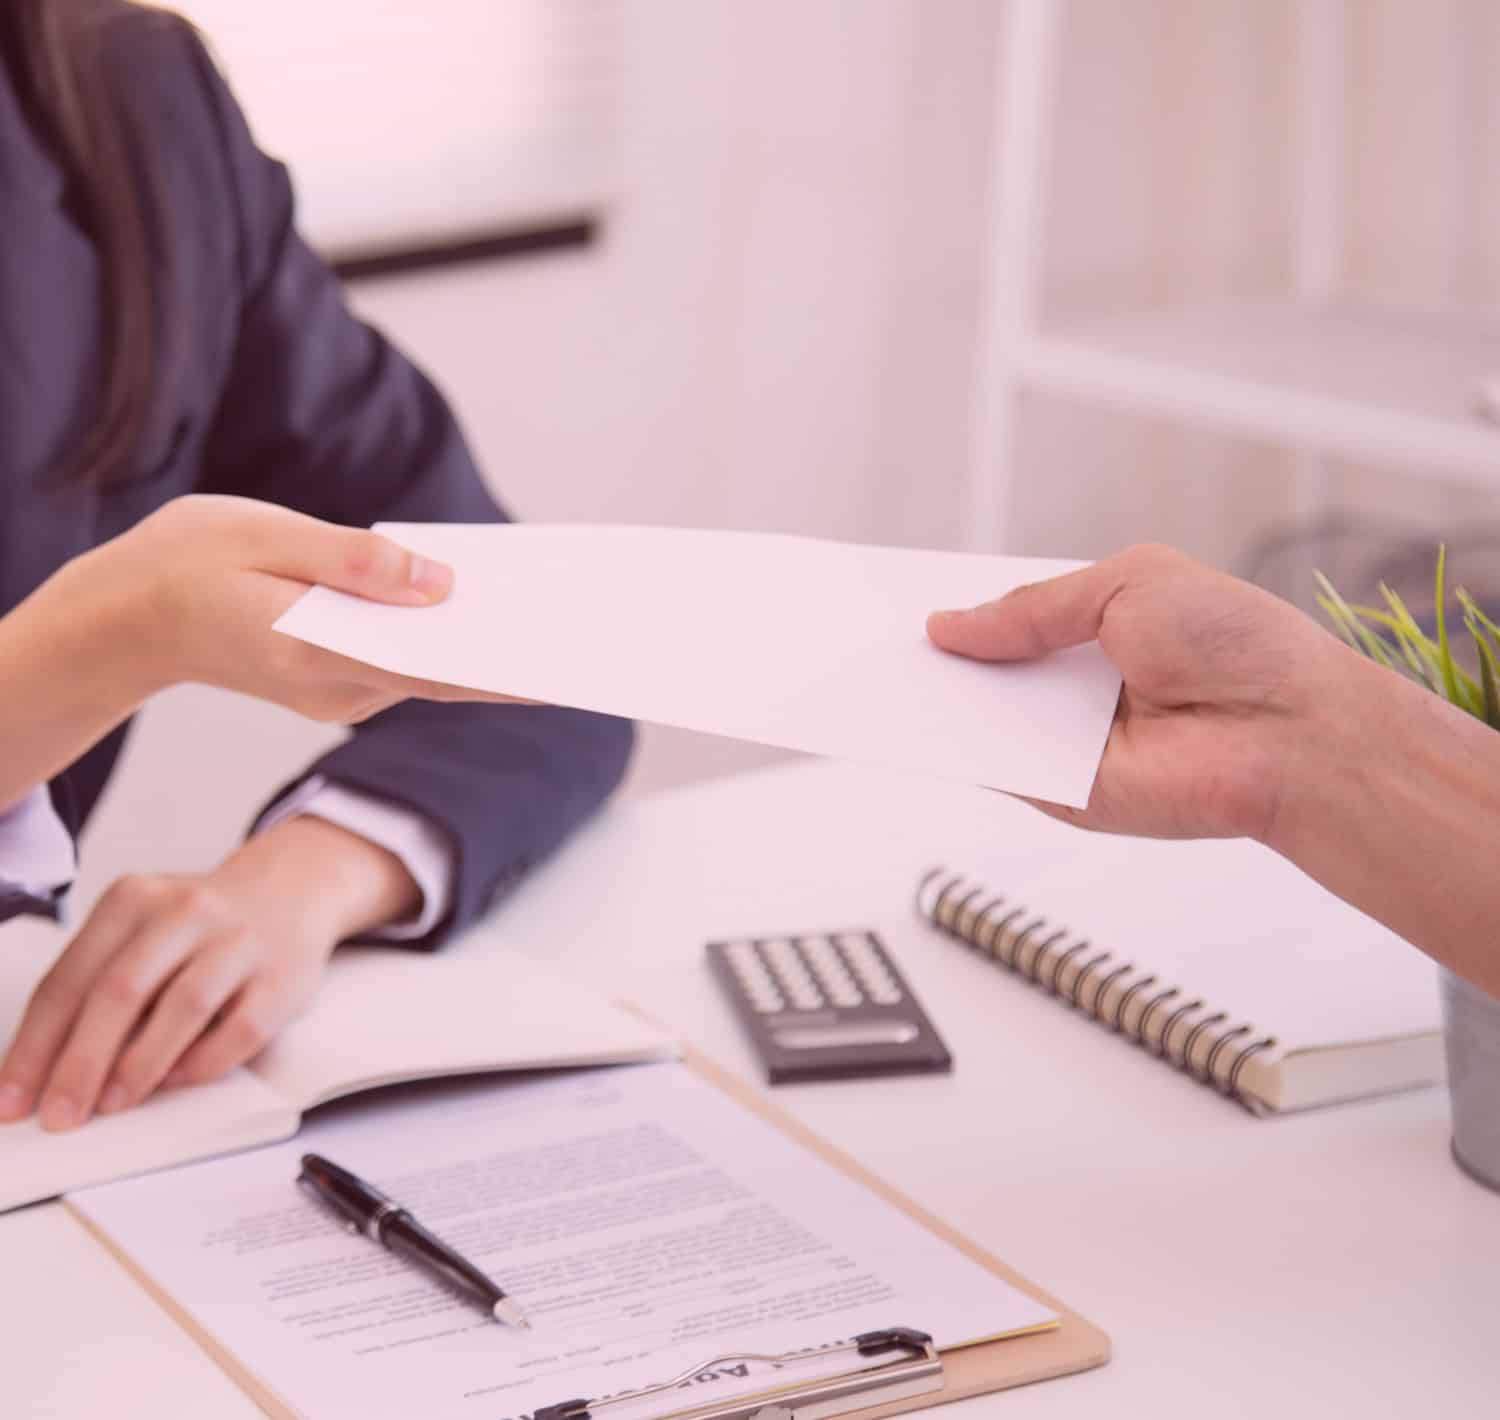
{"x": 270, "y": 389}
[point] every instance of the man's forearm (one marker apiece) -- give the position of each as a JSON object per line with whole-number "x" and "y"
{"x": 1395, "y": 806}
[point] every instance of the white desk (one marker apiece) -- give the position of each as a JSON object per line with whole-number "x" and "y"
{"x": 1328, "y": 1264}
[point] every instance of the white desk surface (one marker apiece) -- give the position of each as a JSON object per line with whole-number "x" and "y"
{"x": 1333, "y": 1263}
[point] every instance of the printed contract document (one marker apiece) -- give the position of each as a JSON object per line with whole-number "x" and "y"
{"x": 792, "y": 641}
{"x": 643, "y": 1220}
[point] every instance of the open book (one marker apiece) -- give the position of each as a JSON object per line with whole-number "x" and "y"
{"x": 384, "y": 1016}
{"x": 1218, "y": 957}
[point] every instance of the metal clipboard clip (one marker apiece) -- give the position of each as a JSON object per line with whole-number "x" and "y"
{"x": 917, "y": 1371}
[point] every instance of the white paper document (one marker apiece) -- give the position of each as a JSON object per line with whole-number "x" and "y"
{"x": 644, "y": 1221}
{"x": 810, "y": 645}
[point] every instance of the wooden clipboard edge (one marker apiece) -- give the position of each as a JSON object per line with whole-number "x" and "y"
{"x": 1074, "y": 1345}
{"x": 234, "y": 1369}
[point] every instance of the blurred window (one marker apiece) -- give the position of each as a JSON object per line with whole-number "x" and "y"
{"x": 412, "y": 124}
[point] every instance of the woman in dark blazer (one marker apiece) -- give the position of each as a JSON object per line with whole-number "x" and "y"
{"x": 192, "y": 428}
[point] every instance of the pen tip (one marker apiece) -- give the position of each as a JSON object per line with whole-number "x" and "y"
{"x": 508, "y": 1312}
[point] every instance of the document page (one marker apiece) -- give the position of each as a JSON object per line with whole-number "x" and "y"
{"x": 792, "y": 641}
{"x": 645, "y": 1222}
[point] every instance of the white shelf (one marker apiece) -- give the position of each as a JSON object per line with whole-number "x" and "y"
{"x": 1389, "y": 388}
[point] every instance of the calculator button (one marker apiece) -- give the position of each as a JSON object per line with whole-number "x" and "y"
{"x": 800, "y": 989}
{"x": 764, "y": 997}
{"x": 832, "y": 1037}
{"x": 833, "y": 976}
{"x": 759, "y": 985}
{"x": 872, "y": 972}
{"x": 793, "y": 974}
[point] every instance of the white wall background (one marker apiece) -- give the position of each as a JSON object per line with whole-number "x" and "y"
{"x": 776, "y": 332}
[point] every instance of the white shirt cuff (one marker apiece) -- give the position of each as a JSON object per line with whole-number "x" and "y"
{"x": 423, "y": 850}
{"x": 36, "y": 850}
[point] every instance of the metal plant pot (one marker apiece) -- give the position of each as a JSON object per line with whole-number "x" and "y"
{"x": 1471, "y": 1032}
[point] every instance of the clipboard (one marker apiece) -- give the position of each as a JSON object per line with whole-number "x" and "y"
{"x": 890, "y": 1371}
{"x": 1073, "y": 1344}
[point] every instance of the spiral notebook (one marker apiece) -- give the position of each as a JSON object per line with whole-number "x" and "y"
{"x": 1219, "y": 958}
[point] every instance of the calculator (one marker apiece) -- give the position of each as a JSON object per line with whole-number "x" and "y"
{"x": 827, "y": 1006}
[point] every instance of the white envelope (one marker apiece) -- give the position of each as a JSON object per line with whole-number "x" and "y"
{"x": 797, "y": 642}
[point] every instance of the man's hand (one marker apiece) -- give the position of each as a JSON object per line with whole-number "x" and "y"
{"x": 1241, "y": 716}
{"x": 1229, "y": 693}
{"x": 177, "y": 979}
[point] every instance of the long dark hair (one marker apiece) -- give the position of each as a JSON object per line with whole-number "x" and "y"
{"x": 68, "y": 86}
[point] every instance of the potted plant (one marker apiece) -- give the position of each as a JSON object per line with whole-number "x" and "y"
{"x": 1471, "y": 1017}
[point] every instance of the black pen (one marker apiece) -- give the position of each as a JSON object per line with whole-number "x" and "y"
{"x": 367, "y": 1210}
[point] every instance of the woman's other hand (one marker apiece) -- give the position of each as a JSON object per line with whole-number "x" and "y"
{"x": 177, "y": 979}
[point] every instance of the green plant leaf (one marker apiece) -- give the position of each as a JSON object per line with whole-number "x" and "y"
{"x": 1450, "y": 680}
{"x": 1341, "y": 626}
{"x": 1487, "y": 642}
{"x": 1489, "y": 671}
{"x": 1439, "y": 662}
{"x": 1355, "y": 632}
{"x": 1385, "y": 634}
{"x": 1472, "y": 608}
{"x": 1408, "y": 625}
{"x": 1359, "y": 636}
{"x": 1418, "y": 652}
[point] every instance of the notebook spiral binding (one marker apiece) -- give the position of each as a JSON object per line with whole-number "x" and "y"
{"x": 1072, "y": 969}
